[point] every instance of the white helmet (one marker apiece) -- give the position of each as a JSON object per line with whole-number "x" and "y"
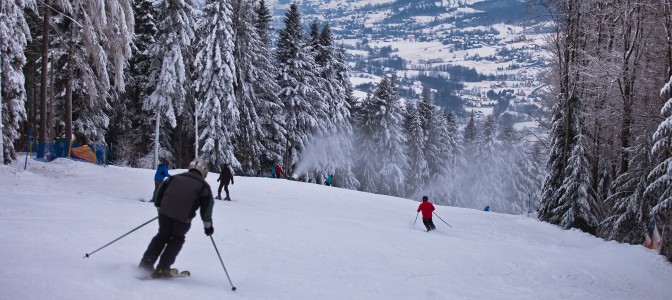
{"x": 199, "y": 165}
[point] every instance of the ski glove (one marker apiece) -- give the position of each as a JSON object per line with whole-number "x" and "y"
{"x": 208, "y": 228}
{"x": 231, "y": 182}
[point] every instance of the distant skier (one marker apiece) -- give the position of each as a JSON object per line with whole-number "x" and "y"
{"x": 328, "y": 181}
{"x": 225, "y": 175}
{"x": 278, "y": 171}
{"x": 177, "y": 200}
{"x": 427, "y": 209}
{"x": 159, "y": 176}
{"x": 487, "y": 208}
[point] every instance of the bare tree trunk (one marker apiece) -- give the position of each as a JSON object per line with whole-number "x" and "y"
{"x": 67, "y": 106}
{"x": 43, "y": 88}
{"x": 632, "y": 38}
{"x": 2, "y": 135}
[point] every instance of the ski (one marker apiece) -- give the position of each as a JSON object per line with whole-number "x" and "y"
{"x": 174, "y": 273}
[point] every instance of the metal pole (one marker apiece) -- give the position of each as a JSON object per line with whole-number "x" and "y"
{"x": 136, "y": 228}
{"x": 416, "y": 219}
{"x": 233, "y": 288}
{"x": 30, "y": 133}
{"x": 442, "y": 220}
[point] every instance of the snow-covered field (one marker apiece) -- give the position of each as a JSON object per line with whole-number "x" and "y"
{"x": 283, "y": 239}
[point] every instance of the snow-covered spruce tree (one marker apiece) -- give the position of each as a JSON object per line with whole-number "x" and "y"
{"x": 661, "y": 186}
{"x": 367, "y": 160}
{"x": 270, "y": 110}
{"x": 130, "y": 144}
{"x": 437, "y": 146}
{"x": 577, "y": 206}
{"x": 456, "y": 162}
{"x": 519, "y": 175}
{"x": 93, "y": 55}
{"x": 262, "y": 23}
{"x": 486, "y": 170}
{"x": 214, "y": 80}
{"x": 331, "y": 151}
{"x": 260, "y": 131}
{"x": 344, "y": 175}
{"x": 171, "y": 59}
{"x": 14, "y": 36}
{"x": 300, "y": 84}
{"x": 383, "y": 143}
{"x": 629, "y": 217}
{"x": 418, "y": 172}
{"x": 555, "y": 164}
{"x": 470, "y": 134}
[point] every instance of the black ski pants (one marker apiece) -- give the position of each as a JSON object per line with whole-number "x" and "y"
{"x": 226, "y": 189}
{"x": 167, "y": 243}
{"x": 429, "y": 224}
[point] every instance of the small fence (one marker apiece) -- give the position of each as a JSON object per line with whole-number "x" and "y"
{"x": 97, "y": 154}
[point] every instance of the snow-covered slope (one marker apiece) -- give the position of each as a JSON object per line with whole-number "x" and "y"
{"x": 290, "y": 240}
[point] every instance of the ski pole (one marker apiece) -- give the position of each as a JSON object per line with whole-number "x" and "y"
{"x": 442, "y": 220}
{"x": 416, "y": 219}
{"x": 136, "y": 228}
{"x": 233, "y": 288}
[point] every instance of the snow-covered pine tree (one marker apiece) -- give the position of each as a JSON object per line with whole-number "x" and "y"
{"x": 270, "y": 111}
{"x": 366, "y": 135}
{"x": 132, "y": 143}
{"x": 418, "y": 172}
{"x": 344, "y": 176}
{"x": 487, "y": 169}
{"x": 470, "y": 133}
{"x": 331, "y": 151}
{"x": 263, "y": 22}
{"x": 300, "y": 84}
{"x": 555, "y": 164}
{"x": 253, "y": 73}
{"x": 171, "y": 56}
{"x": 88, "y": 58}
{"x": 437, "y": 152}
{"x": 629, "y": 216}
{"x": 383, "y": 122}
{"x": 518, "y": 173}
{"x": 661, "y": 181}
{"x": 214, "y": 80}
{"x": 577, "y": 207}
{"x": 456, "y": 162}
{"x": 14, "y": 37}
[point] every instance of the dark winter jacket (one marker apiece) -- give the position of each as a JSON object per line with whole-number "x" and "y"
{"x": 161, "y": 172}
{"x": 427, "y": 209}
{"x": 225, "y": 175}
{"x": 181, "y": 195}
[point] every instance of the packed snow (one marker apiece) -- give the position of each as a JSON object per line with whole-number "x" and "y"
{"x": 282, "y": 239}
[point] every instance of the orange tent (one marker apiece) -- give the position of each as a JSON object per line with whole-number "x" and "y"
{"x": 84, "y": 153}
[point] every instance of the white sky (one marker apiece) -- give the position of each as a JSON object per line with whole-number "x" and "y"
{"x": 288, "y": 240}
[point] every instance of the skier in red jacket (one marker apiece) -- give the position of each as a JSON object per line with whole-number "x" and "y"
{"x": 427, "y": 209}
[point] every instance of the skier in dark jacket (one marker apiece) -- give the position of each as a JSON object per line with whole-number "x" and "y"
{"x": 225, "y": 175}
{"x": 427, "y": 209}
{"x": 159, "y": 176}
{"x": 177, "y": 200}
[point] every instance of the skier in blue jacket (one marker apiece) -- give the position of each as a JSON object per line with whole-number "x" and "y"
{"x": 159, "y": 176}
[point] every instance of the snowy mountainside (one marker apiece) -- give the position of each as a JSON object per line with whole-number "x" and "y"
{"x": 284, "y": 239}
